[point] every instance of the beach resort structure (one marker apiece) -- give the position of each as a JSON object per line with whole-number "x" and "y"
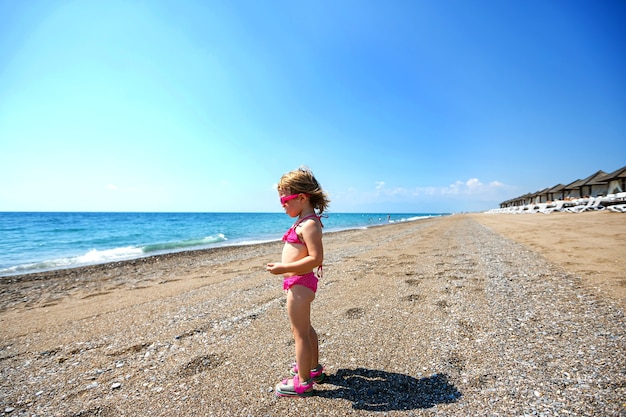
{"x": 598, "y": 191}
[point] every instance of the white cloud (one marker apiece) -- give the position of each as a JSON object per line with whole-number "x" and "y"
{"x": 469, "y": 195}
{"x": 111, "y": 187}
{"x": 472, "y": 186}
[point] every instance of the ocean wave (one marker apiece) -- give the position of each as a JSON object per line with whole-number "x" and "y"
{"x": 96, "y": 256}
{"x": 183, "y": 244}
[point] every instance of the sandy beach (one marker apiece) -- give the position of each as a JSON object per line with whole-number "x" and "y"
{"x": 472, "y": 314}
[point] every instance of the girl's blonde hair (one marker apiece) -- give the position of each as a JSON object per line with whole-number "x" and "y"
{"x": 301, "y": 180}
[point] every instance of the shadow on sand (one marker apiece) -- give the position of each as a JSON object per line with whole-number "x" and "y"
{"x": 374, "y": 390}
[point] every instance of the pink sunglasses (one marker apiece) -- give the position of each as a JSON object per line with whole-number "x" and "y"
{"x": 283, "y": 200}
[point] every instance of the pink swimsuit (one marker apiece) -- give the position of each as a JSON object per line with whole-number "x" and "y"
{"x": 307, "y": 280}
{"x": 291, "y": 236}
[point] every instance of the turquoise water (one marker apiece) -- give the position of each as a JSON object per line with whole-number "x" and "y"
{"x": 32, "y": 242}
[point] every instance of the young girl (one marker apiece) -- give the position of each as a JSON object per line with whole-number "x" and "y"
{"x": 301, "y": 195}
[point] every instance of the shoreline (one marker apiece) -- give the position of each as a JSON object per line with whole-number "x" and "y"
{"x": 412, "y": 318}
{"x": 531, "y": 232}
{"x": 240, "y": 242}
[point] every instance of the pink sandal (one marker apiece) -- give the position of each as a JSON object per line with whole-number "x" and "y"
{"x": 317, "y": 374}
{"x": 292, "y": 387}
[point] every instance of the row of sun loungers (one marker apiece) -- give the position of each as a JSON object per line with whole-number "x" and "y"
{"x": 613, "y": 202}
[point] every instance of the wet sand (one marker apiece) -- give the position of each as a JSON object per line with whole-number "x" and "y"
{"x": 464, "y": 315}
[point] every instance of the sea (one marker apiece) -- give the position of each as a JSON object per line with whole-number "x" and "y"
{"x": 38, "y": 241}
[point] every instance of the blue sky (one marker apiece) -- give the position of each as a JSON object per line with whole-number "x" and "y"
{"x": 397, "y": 106}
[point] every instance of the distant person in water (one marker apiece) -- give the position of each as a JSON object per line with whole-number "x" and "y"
{"x": 301, "y": 196}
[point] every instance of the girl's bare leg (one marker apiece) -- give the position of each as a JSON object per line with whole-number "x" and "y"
{"x": 299, "y": 300}
{"x": 314, "y": 347}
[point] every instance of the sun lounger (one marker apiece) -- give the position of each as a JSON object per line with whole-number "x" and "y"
{"x": 596, "y": 205}
{"x": 530, "y": 208}
{"x": 579, "y": 208}
{"x": 540, "y": 207}
{"x": 558, "y": 206}
{"x": 618, "y": 208}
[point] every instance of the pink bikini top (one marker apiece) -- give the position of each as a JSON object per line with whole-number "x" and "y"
{"x": 292, "y": 237}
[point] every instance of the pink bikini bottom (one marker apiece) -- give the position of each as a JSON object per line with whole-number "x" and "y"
{"x": 308, "y": 280}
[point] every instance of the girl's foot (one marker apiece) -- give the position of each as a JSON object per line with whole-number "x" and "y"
{"x": 292, "y": 387}
{"x": 317, "y": 374}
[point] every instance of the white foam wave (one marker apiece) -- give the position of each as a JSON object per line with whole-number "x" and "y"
{"x": 90, "y": 258}
{"x": 98, "y": 256}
